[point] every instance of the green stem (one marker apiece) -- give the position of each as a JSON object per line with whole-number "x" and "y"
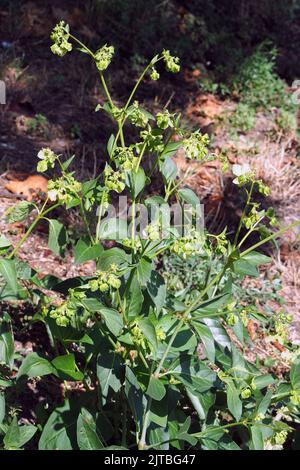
{"x": 271, "y": 237}
{"x": 31, "y": 228}
{"x": 243, "y": 215}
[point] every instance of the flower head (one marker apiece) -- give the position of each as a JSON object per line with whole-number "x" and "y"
{"x": 103, "y": 57}
{"x": 47, "y": 157}
{"x": 172, "y": 63}
{"x": 114, "y": 180}
{"x": 196, "y": 145}
{"x": 60, "y": 36}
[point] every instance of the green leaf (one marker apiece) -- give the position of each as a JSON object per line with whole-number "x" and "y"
{"x": 109, "y": 369}
{"x": 66, "y": 367}
{"x": 114, "y": 228}
{"x": 295, "y": 374}
{"x": 113, "y": 320}
{"x": 6, "y": 341}
{"x": 2, "y": 407}
{"x": 144, "y": 269}
{"x": 112, "y": 256}
{"x": 234, "y": 402}
{"x": 110, "y": 144}
{"x": 183, "y": 434}
{"x": 207, "y": 338}
{"x": 84, "y": 251}
{"x": 4, "y": 242}
{"x": 256, "y": 258}
{"x": 35, "y": 366}
{"x": 189, "y": 196}
{"x": 257, "y": 437}
{"x": 17, "y": 436}
{"x": 57, "y": 237}
{"x": 219, "y": 334}
{"x": 136, "y": 398}
{"x": 134, "y": 298}
{"x": 19, "y": 212}
{"x": 59, "y": 431}
{"x": 148, "y": 329}
{"x": 136, "y": 181}
{"x": 170, "y": 149}
{"x": 244, "y": 268}
{"x": 9, "y": 272}
{"x": 65, "y": 165}
{"x": 212, "y": 306}
{"x": 156, "y": 389}
{"x": 157, "y": 290}
{"x": 87, "y": 437}
{"x": 196, "y": 376}
{"x": 168, "y": 169}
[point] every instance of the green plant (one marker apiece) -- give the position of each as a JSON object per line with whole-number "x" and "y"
{"x": 121, "y": 332}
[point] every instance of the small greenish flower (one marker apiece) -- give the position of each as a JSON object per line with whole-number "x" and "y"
{"x": 165, "y": 120}
{"x": 63, "y": 189}
{"x": 253, "y": 217}
{"x": 295, "y": 397}
{"x": 263, "y": 188}
{"x": 259, "y": 417}
{"x": 154, "y": 74}
{"x": 65, "y": 313}
{"x": 270, "y": 214}
{"x": 161, "y": 335}
{"x": 103, "y": 57}
{"x": 196, "y": 146}
{"x": 243, "y": 174}
{"x": 190, "y": 245}
{"x": 153, "y": 231}
{"x": 114, "y": 180}
{"x": 154, "y": 141}
{"x": 280, "y": 437}
{"x": 137, "y": 116}
{"x": 172, "y": 63}
{"x": 125, "y": 158}
{"x": 232, "y": 319}
{"x": 105, "y": 279}
{"x": 60, "y": 36}
{"x": 47, "y": 157}
{"x": 246, "y": 393}
{"x": 138, "y": 336}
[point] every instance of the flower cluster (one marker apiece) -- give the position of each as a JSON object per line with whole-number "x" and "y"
{"x": 153, "y": 231}
{"x": 114, "y": 180}
{"x": 172, "y": 63}
{"x": 64, "y": 314}
{"x": 277, "y": 441}
{"x": 47, "y": 157}
{"x": 138, "y": 336}
{"x": 60, "y": 36}
{"x": 295, "y": 397}
{"x": 105, "y": 280}
{"x": 125, "y": 158}
{"x": 103, "y": 57}
{"x": 192, "y": 244}
{"x": 253, "y": 217}
{"x": 246, "y": 393}
{"x": 154, "y": 74}
{"x": 137, "y": 116}
{"x": 63, "y": 189}
{"x": 165, "y": 120}
{"x": 196, "y": 145}
{"x": 153, "y": 140}
{"x": 243, "y": 174}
